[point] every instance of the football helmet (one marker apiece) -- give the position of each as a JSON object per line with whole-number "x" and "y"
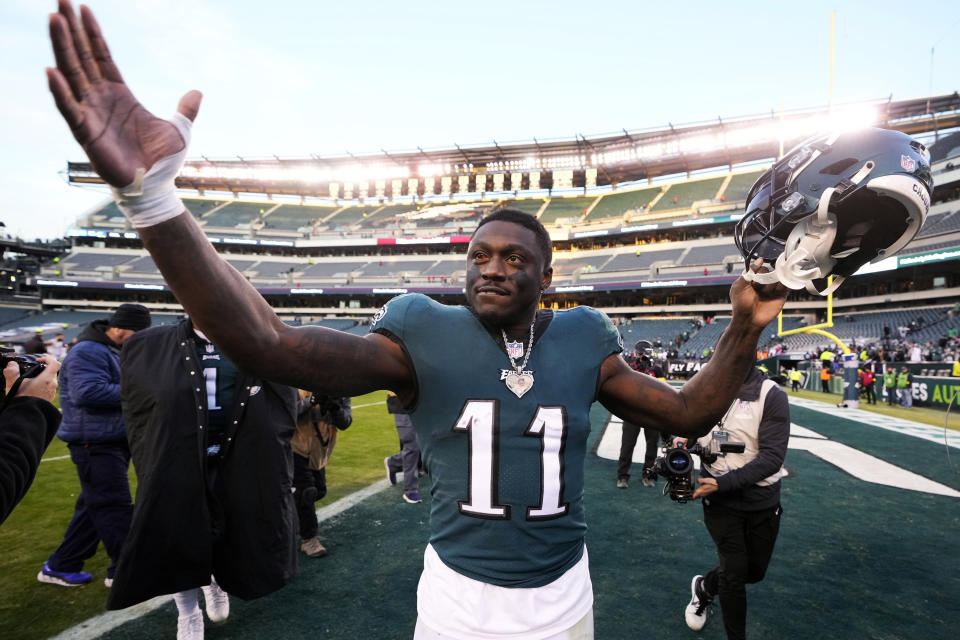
{"x": 644, "y": 349}
{"x": 832, "y": 204}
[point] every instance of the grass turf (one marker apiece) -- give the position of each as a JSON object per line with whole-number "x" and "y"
{"x": 853, "y": 560}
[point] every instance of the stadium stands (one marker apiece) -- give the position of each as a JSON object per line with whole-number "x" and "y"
{"x": 709, "y": 254}
{"x": 619, "y": 203}
{"x": 705, "y": 338}
{"x": 642, "y": 259}
{"x": 200, "y": 207}
{"x": 275, "y": 269}
{"x": 236, "y": 213}
{"x": 380, "y": 268}
{"x": 144, "y": 264}
{"x": 739, "y": 186}
{"x": 93, "y": 261}
{"x": 564, "y": 265}
{"x": 566, "y": 208}
{"x": 331, "y": 269}
{"x": 683, "y": 194}
{"x": 292, "y": 217}
{"x": 384, "y": 214}
{"x": 527, "y": 206}
{"x": 348, "y": 216}
{"x": 941, "y": 224}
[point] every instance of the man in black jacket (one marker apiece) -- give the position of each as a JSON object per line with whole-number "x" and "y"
{"x": 741, "y": 501}
{"x": 211, "y": 446}
{"x": 28, "y": 423}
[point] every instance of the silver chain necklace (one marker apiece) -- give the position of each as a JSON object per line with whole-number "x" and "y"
{"x": 519, "y": 381}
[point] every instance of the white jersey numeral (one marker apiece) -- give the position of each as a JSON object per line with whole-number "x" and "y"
{"x": 480, "y": 420}
{"x": 550, "y": 426}
{"x": 210, "y": 375}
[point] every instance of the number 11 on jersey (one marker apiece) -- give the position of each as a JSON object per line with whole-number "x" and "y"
{"x": 480, "y": 421}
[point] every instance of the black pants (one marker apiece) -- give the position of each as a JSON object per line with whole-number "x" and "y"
{"x": 103, "y": 510}
{"x": 825, "y": 385}
{"x": 868, "y": 391}
{"x": 310, "y": 485}
{"x": 745, "y": 541}
{"x": 795, "y": 385}
{"x": 629, "y": 441}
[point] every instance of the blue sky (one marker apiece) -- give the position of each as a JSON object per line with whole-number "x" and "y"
{"x": 293, "y": 78}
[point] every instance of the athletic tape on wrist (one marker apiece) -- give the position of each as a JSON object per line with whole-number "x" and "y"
{"x": 152, "y": 196}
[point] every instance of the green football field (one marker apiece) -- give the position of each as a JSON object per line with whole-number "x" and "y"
{"x": 868, "y": 548}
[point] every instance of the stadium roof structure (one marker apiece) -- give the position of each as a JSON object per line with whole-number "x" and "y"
{"x": 578, "y": 162}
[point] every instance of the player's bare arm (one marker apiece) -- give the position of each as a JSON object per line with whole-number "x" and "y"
{"x": 694, "y": 409}
{"x": 123, "y": 141}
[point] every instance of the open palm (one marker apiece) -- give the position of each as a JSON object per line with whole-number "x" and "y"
{"x": 118, "y": 134}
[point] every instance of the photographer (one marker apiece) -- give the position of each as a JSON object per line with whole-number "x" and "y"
{"x": 741, "y": 500}
{"x": 28, "y": 422}
{"x": 320, "y": 417}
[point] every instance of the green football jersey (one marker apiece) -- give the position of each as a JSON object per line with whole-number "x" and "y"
{"x": 507, "y": 471}
{"x": 221, "y": 381}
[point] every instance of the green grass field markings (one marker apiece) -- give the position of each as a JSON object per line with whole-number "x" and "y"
{"x": 898, "y": 425}
{"x": 863, "y": 465}
{"x": 55, "y": 458}
{"x": 101, "y": 624}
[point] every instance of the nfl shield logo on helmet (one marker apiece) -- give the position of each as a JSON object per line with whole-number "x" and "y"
{"x": 908, "y": 163}
{"x": 515, "y": 349}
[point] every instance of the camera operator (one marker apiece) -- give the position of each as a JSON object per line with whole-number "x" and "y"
{"x": 28, "y": 422}
{"x": 319, "y": 419}
{"x": 741, "y": 500}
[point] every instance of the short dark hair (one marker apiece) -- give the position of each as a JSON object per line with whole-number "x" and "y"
{"x": 524, "y": 220}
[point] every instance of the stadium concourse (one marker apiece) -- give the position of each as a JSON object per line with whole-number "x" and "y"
{"x": 870, "y": 516}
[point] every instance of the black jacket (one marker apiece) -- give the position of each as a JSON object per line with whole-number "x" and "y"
{"x": 27, "y": 425}
{"x": 245, "y": 533}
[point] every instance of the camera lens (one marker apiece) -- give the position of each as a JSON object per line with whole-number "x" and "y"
{"x": 679, "y": 462}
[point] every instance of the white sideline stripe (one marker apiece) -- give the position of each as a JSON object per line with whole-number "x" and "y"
{"x": 609, "y": 446}
{"x": 869, "y": 468}
{"x": 898, "y": 425}
{"x": 54, "y": 458}
{"x": 369, "y": 404}
{"x": 99, "y": 625}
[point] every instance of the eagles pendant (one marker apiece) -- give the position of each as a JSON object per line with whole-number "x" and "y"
{"x": 519, "y": 383}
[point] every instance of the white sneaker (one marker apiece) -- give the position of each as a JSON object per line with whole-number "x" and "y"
{"x": 217, "y": 601}
{"x": 696, "y": 612}
{"x": 190, "y": 627}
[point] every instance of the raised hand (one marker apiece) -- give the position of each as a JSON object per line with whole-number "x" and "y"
{"x": 118, "y": 134}
{"x": 756, "y": 303}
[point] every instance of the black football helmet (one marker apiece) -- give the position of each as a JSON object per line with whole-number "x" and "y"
{"x": 834, "y": 203}
{"x": 644, "y": 349}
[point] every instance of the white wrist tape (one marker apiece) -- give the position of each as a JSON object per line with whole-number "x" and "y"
{"x": 152, "y": 196}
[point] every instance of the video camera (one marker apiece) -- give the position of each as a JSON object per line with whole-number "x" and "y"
{"x": 30, "y": 367}
{"x": 676, "y": 464}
